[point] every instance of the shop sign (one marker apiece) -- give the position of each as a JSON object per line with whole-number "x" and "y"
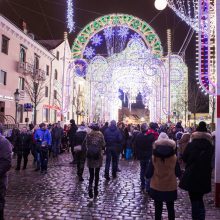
{"x": 51, "y": 107}
{"x": 6, "y": 97}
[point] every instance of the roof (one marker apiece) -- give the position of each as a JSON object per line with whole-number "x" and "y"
{"x": 50, "y": 44}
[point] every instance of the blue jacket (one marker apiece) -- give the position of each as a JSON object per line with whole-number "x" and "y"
{"x": 43, "y": 135}
{"x": 113, "y": 137}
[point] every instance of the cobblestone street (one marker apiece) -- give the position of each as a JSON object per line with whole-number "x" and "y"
{"x": 59, "y": 195}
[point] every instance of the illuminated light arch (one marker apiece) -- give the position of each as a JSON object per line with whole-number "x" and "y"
{"x": 139, "y": 26}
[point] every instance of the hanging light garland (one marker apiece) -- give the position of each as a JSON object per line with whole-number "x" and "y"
{"x": 70, "y": 16}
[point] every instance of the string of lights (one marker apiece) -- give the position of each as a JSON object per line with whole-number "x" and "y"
{"x": 70, "y": 16}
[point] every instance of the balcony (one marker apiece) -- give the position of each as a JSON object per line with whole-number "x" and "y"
{"x": 29, "y": 69}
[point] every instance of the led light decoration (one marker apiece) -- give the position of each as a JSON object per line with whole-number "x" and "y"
{"x": 136, "y": 68}
{"x": 109, "y": 25}
{"x": 70, "y": 16}
{"x": 80, "y": 67}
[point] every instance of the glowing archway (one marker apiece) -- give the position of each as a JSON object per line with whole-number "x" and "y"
{"x": 139, "y": 26}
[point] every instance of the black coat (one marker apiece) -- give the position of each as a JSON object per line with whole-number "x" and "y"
{"x": 198, "y": 159}
{"x": 23, "y": 143}
{"x": 72, "y": 133}
{"x": 79, "y": 139}
{"x": 144, "y": 145}
{"x": 113, "y": 137}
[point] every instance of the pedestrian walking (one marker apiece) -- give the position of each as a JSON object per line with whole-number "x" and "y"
{"x": 113, "y": 139}
{"x": 5, "y": 165}
{"x": 23, "y": 147}
{"x": 80, "y": 150}
{"x": 198, "y": 170}
{"x": 71, "y": 135}
{"x": 144, "y": 145}
{"x": 57, "y": 134}
{"x": 95, "y": 143}
{"x": 43, "y": 141}
{"x": 163, "y": 170}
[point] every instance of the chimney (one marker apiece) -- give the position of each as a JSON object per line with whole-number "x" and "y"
{"x": 24, "y": 27}
{"x": 65, "y": 35}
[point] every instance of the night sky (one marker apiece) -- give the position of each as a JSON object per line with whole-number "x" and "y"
{"x": 47, "y": 19}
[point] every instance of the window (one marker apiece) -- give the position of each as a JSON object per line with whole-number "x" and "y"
{"x": 55, "y": 116}
{"x": 68, "y": 116}
{"x": 46, "y": 91}
{"x": 47, "y": 70}
{"x": 22, "y": 54}
{"x": 55, "y": 94}
{"x": 45, "y": 114}
{"x": 36, "y": 62}
{"x": 5, "y": 43}
{"x": 21, "y": 83}
{"x": 56, "y": 74}
{"x": 58, "y": 55}
{"x": 3, "y": 76}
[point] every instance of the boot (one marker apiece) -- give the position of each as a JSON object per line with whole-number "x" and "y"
{"x": 96, "y": 191}
{"x": 90, "y": 192}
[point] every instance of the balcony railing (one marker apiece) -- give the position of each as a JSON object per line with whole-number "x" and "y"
{"x": 28, "y": 68}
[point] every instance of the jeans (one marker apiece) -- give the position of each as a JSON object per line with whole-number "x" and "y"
{"x": 94, "y": 172}
{"x": 80, "y": 162}
{"x": 111, "y": 154}
{"x": 198, "y": 207}
{"x": 56, "y": 147}
{"x": 145, "y": 183}
{"x": 44, "y": 159}
{"x": 159, "y": 208}
{"x": 19, "y": 158}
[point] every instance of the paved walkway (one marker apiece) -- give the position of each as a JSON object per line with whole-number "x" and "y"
{"x": 59, "y": 195}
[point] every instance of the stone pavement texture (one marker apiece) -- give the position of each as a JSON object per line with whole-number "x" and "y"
{"x": 59, "y": 195}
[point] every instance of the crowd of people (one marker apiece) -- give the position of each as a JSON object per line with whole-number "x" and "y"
{"x": 166, "y": 152}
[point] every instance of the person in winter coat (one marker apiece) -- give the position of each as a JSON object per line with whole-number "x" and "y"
{"x": 113, "y": 139}
{"x": 198, "y": 170}
{"x": 163, "y": 170}
{"x": 103, "y": 128}
{"x": 71, "y": 136}
{"x": 57, "y": 134}
{"x": 5, "y": 165}
{"x": 152, "y": 130}
{"x": 95, "y": 143}
{"x": 182, "y": 143}
{"x": 23, "y": 147}
{"x": 43, "y": 141}
{"x": 80, "y": 155}
{"x": 144, "y": 146}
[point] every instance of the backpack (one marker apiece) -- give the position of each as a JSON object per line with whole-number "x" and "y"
{"x": 93, "y": 152}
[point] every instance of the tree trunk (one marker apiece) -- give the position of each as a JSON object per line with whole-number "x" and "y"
{"x": 213, "y": 110}
{"x": 194, "y": 114}
{"x": 35, "y": 114}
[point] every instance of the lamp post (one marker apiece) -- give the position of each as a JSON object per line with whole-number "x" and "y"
{"x": 17, "y": 99}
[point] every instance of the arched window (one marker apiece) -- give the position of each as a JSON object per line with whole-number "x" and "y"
{"x": 22, "y": 55}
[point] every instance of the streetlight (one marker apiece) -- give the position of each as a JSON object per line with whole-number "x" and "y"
{"x": 160, "y": 4}
{"x": 17, "y": 99}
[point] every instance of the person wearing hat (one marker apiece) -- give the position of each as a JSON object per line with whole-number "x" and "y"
{"x": 43, "y": 140}
{"x": 94, "y": 143}
{"x": 144, "y": 146}
{"x": 113, "y": 139}
{"x": 163, "y": 170}
{"x": 198, "y": 169}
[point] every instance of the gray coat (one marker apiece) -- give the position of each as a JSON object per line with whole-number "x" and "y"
{"x": 95, "y": 138}
{"x": 5, "y": 160}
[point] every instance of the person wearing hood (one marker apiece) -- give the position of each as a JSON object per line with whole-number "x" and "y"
{"x": 113, "y": 139}
{"x": 80, "y": 154}
{"x": 198, "y": 170}
{"x": 43, "y": 140}
{"x": 163, "y": 170}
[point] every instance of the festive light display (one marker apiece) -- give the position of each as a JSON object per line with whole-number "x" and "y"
{"x": 70, "y": 16}
{"x": 107, "y": 24}
{"x": 138, "y": 68}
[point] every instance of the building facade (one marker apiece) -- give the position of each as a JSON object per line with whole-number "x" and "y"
{"x": 38, "y": 70}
